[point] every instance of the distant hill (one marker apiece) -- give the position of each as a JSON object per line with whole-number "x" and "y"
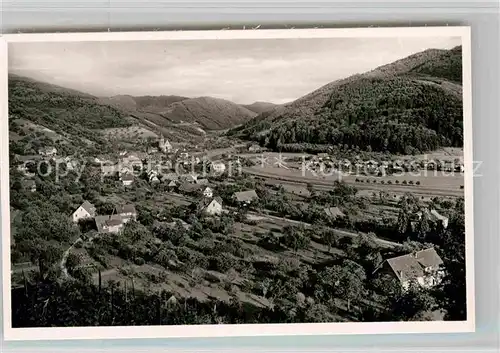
{"x": 205, "y": 113}
{"x": 66, "y": 112}
{"x": 78, "y": 117}
{"x": 210, "y": 113}
{"x": 153, "y": 104}
{"x": 409, "y": 106}
{"x": 260, "y": 107}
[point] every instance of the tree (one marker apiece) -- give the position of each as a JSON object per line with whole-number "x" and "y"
{"x": 72, "y": 262}
{"x": 403, "y": 223}
{"x": 295, "y": 238}
{"x": 330, "y": 238}
{"x": 412, "y": 303}
{"x": 423, "y": 226}
{"x": 452, "y": 292}
{"x": 343, "y": 281}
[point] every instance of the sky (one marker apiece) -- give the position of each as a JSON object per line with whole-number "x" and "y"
{"x": 243, "y": 71}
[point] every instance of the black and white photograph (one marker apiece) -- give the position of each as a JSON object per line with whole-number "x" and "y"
{"x": 296, "y": 180}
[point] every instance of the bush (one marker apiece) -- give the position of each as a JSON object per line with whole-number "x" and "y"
{"x": 461, "y": 187}
{"x": 389, "y": 182}
{"x": 139, "y": 261}
{"x": 221, "y": 263}
{"x": 410, "y": 182}
{"x": 405, "y": 182}
{"x": 382, "y": 182}
{"x": 397, "y": 181}
{"x": 417, "y": 183}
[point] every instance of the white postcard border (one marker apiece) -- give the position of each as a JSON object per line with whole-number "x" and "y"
{"x": 128, "y": 332}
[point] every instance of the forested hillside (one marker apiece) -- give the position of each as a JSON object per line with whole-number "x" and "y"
{"x": 67, "y": 113}
{"x": 410, "y": 106}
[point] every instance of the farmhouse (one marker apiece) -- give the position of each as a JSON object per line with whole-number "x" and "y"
{"x": 210, "y": 206}
{"x": 421, "y": 267}
{"x": 109, "y": 224}
{"x": 86, "y": 210}
{"x": 218, "y": 167}
{"x": 153, "y": 176}
{"x": 108, "y": 170}
{"x": 208, "y": 192}
{"x": 152, "y": 150}
{"x": 436, "y": 216}
{"x": 334, "y": 212}
{"x": 127, "y": 179}
{"x": 189, "y": 178}
{"x": 184, "y": 154}
{"x": 172, "y": 184}
{"x": 134, "y": 159}
{"x": 47, "y": 151}
{"x": 245, "y": 197}
{"x": 126, "y": 212}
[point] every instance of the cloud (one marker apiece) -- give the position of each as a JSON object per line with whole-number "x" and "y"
{"x": 244, "y": 71}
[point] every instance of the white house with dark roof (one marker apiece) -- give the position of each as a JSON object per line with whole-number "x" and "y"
{"x": 47, "y": 151}
{"x": 211, "y": 207}
{"x": 421, "y": 267}
{"x": 218, "y": 167}
{"x": 208, "y": 192}
{"x": 127, "y": 179}
{"x": 245, "y": 197}
{"x": 86, "y": 210}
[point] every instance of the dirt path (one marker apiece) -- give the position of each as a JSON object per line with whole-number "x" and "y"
{"x": 62, "y": 265}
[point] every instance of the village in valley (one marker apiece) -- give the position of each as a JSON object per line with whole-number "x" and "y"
{"x": 226, "y": 190}
{"x": 132, "y": 214}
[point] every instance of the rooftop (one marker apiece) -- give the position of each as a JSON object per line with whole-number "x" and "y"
{"x": 90, "y": 208}
{"x": 129, "y": 208}
{"x": 334, "y": 212}
{"x": 244, "y": 196}
{"x": 411, "y": 266}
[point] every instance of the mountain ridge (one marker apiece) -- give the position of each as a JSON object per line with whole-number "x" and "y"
{"x": 417, "y": 97}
